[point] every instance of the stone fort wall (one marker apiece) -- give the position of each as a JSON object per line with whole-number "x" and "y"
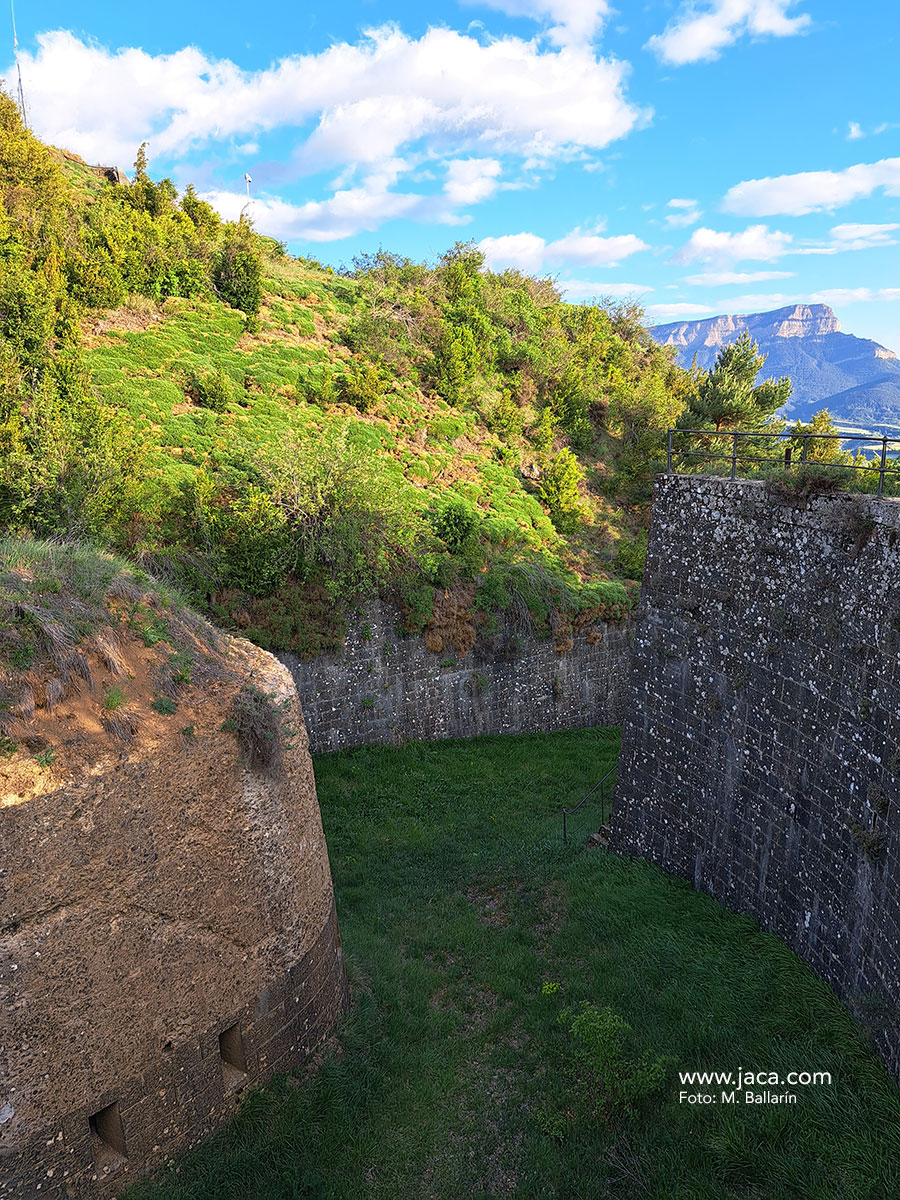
{"x": 384, "y": 687}
{"x": 761, "y": 745}
{"x": 167, "y": 939}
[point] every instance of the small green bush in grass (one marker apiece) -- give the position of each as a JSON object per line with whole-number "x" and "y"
{"x": 608, "y": 1078}
{"x": 211, "y": 389}
{"x": 456, "y": 524}
{"x": 361, "y": 385}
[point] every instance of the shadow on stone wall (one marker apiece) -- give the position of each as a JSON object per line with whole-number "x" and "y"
{"x": 386, "y": 688}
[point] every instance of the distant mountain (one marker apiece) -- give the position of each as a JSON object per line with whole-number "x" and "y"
{"x": 857, "y": 380}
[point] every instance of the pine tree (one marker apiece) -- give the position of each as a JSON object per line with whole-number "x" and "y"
{"x": 728, "y": 397}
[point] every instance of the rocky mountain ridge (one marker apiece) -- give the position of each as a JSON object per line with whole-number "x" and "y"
{"x": 856, "y": 379}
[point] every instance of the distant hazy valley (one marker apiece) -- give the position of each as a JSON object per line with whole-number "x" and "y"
{"x": 856, "y": 379}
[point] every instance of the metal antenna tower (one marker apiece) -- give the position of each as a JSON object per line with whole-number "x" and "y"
{"x": 23, "y": 112}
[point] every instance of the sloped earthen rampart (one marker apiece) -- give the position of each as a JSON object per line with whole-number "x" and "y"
{"x": 168, "y": 940}
{"x": 761, "y": 745}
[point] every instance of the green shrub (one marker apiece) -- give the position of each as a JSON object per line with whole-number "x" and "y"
{"x": 210, "y": 389}
{"x": 809, "y": 480}
{"x": 350, "y": 522}
{"x": 569, "y": 398}
{"x": 492, "y": 595}
{"x": 455, "y": 363}
{"x": 203, "y": 215}
{"x": 249, "y": 540}
{"x": 559, "y": 491}
{"x": 609, "y": 1079}
{"x": 631, "y": 555}
{"x": 361, "y": 385}
{"x": 456, "y": 524}
{"x": 238, "y": 271}
{"x": 416, "y": 599}
{"x": 546, "y": 431}
{"x": 504, "y": 417}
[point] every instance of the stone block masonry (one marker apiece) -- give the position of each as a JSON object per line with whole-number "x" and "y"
{"x": 388, "y": 688}
{"x": 168, "y": 939}
{"x": 761, "y": 744}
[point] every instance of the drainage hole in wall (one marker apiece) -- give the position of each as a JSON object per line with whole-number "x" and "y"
{"x": 231, "y": 1051}
{"x": 108, "y": 1138}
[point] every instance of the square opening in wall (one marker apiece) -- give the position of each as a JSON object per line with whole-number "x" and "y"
{"x": 231, "y": 1050}
{"x": 108, "y": 1137}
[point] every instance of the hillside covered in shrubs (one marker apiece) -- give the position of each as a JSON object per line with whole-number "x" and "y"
{"x": 281, "y": 441}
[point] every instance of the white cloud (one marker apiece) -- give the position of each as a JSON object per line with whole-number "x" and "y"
{"x": 872, "y": 235}
{"x": 723, "y": 278}
{"x": 760, "y": 302}
{"x": 587, "y": 289}
{"x": 571, "y": 21}
{"x": 589, "y": 250}
{"x": 834, "y": 297}
{"x": 365, "y": 101}
{"x": 687, "y": 212}
{"x": 755, "y": 242}
{"x": 760, "y": 243}
{"x": 470, "y": 180}
{"x": 524, "y": 251}
{"x": 365, "y": 207}
{"x": 811, "y": 191}
{"x": 856, "y": 131}
{"x": 663, "y": 312}
{"x": 529, "y": 252}
{"x": 852, "y": 237}
{"x": 695, "y": 34}
{"x": 864, "y": 295}
{"x": 347, "y": 212}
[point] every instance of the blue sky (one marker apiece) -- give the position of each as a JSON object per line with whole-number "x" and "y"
{"x": 720, "y": 156}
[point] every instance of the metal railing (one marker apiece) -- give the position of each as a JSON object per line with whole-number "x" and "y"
{"x": 881, "y": 462}
{"x": 602, "y": 786}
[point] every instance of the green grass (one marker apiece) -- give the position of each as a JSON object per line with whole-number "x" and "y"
{"x": 115, "y": 698}
{"x": 273, "y": 385}
{"x": 457, "y": 904}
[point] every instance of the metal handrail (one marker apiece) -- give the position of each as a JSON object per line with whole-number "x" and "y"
{"x": 785, "y": 435}
{"x": 601, "y": 784}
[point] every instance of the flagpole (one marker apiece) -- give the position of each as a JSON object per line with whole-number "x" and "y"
{"x": 22, "y": 111}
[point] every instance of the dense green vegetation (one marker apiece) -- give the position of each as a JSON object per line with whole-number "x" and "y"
{"x": 522, "y": 1008}
{"x": 282, "y": 441}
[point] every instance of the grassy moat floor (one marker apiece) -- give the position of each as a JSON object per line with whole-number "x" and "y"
{"x": 452, "y": 1077}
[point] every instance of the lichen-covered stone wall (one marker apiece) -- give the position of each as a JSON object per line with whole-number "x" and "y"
{"x": 386, "y": 687}
{"x": 761, "y": 744}
{"x": 168, "y": 938}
